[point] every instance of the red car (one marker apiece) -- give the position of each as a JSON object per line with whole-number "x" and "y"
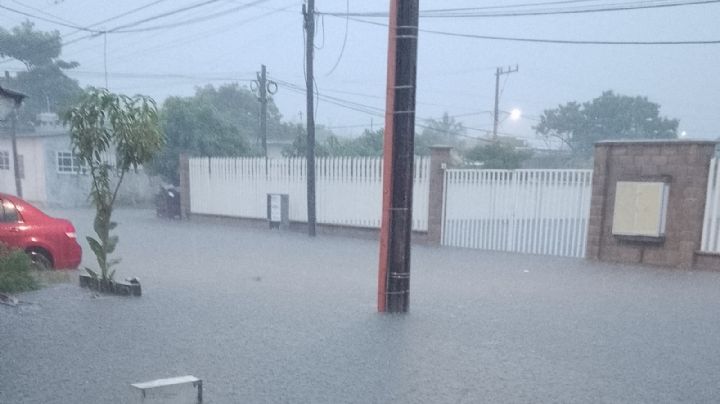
{"x": 50, "y": 242}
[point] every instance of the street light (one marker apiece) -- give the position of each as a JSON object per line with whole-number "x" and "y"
{"x": 9, "y": 103}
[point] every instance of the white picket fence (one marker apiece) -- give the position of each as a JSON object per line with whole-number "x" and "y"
{"x": 711, "y": 224}
{"x": 527, "y": 211}
{"x": 348, "y": 190}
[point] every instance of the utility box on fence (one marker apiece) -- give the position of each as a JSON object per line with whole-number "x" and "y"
{"x": 278, "y": 211}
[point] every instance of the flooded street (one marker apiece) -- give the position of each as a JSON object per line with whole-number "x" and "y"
{"x": 269, "y": 316}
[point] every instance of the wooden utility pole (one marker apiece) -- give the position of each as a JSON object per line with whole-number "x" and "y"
{"x": 262, "y": 89}
{"x": 396, "y": 228}
{"x": 496, "y": 114}
{"x": 309, "y": 13}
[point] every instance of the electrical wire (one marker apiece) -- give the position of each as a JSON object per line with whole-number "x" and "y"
{"x": 447, "y": 13}
{"x": 380, "y": 112}
{"x": 128, "y": 27}
{"x": 52, "y": 21}
{"x": 618, "y": 7}
{"x": 163, "y": 15}
{"x": 345, "y": 37}
{"x": 551, "y": 41}
{"x": 118, "y": 16}
{"x": 191, "y": 20}
{"x": 174, "y": 24}
{"x": 547, "y": 3}
{"x": 43, "y": 12}
{"x": 169, "y": 45}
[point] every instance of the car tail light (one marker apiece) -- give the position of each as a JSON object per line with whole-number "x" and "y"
{"x": 70, "y": 231}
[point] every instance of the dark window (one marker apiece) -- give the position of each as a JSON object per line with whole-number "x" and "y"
{"x": 9, "y": 214}
{"x": 4, "y": 160}
{"x": 67, "y": 162}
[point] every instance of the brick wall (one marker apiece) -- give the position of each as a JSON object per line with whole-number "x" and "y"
{"x": 682, "y": 164}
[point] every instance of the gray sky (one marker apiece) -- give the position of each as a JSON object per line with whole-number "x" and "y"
{"x": 454, "y": 74}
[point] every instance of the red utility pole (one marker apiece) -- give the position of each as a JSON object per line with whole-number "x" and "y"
{"x": 396, "y": 228}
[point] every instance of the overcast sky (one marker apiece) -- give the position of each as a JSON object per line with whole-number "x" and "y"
{"x": 454, "y": 74}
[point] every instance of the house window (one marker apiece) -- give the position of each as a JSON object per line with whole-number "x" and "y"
{"x": 4, "y": 160}
{"x": 69, "y": 163}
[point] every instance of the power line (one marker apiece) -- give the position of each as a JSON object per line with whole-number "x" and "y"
{"x": 551, "y": 41}
{"x": 52, "y": 21}
{"x": 345, "y": 37}
{"x": 163, "y": 15}
{"x": 164, "y": 46}
{"x": 548, "y": 3}
{"x": 44, "y": 12}
{"x": 123, "y": 14}
{"x": 124, "y": 28}
{"x": 571, "y": 11}
{"x": 189, "y": 21}
{"x": 449, "y": 13}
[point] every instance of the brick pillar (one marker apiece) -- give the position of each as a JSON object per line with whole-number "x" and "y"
{"x": 439, "y": 160}
{"x": 597, "y": 201}
{"x": 184, "y": 173}
{"x": 684, "y": 166}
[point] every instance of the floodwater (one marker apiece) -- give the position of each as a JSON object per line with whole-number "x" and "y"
{"x": 264, "y": 316}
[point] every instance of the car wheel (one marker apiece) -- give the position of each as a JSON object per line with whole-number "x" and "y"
{"x": 39, "y": 261}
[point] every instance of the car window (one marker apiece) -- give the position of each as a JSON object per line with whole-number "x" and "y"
{"x": 9, "y": 212}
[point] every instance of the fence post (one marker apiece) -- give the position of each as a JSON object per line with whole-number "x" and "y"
{"x": 439, "y": 161}
{"x": 184, "y": 174}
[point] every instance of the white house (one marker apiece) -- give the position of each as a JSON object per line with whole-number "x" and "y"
{"x": 51, "y": 175}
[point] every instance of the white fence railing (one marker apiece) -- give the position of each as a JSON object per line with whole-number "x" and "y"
{"x": 528, "y": 211}
{"x": 348, "y": 190}
{"x": 711, "y": 224}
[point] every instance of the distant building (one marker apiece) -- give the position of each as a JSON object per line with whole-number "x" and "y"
{"x": 52, "y": 176}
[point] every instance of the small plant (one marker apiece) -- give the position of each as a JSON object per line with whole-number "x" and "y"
{"x": 111, "y": 134}
{"x": 15, "y": 271}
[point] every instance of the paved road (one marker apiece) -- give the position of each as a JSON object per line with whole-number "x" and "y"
{"x": 268, "y": 317}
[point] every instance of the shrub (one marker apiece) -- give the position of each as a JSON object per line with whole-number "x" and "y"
{"x": 15, "y": 271}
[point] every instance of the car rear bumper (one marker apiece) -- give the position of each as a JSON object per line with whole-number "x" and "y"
{"x": 70, "y": 257}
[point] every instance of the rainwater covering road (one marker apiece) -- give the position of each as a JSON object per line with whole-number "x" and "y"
{"x": 269, "y": 317}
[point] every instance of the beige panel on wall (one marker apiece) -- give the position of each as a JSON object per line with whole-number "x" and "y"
{"x": 640, "y": 209}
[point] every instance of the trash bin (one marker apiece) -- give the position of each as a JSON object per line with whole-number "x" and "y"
{"x": 167, "y": 202}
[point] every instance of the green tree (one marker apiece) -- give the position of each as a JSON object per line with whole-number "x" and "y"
{"x": 446, "y": 131}
{"x": 498, "y": 155}
{"x": 298, "y": 148}
{"x": 610, "y": 116}
{"x": 196, "y": 127}
{"x": 238, "y": 106}
{"x": 102, "y": 126}
{"x": 222, "y": 121}
{"x": 369, "y": 144}
{"x": 44, "y": 81}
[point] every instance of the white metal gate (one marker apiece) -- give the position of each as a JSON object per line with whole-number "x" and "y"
{"x": 711, "y": 224}
{"x": 527, "y": 211}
